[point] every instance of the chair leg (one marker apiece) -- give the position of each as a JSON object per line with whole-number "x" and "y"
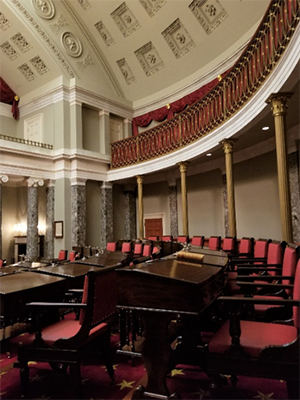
{"x": 106, "y": 353}
{"x": 293, "y": 389}
{"x": 75, "y": 374}
{"x": 24, "y": 378}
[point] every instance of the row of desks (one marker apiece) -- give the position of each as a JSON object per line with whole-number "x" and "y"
{"x": 38, "y": 281}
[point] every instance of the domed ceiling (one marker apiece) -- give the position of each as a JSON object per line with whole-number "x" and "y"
{"x": 139, "y": 51}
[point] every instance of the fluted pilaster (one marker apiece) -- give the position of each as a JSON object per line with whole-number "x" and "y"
{"x": 139, "y": 180}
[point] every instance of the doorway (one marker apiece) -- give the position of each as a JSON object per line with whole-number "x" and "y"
{"x": 153, "y": 227}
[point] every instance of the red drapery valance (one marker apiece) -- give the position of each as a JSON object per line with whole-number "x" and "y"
{"x": 7, "y": 96}
{"x": 169, "y": 110}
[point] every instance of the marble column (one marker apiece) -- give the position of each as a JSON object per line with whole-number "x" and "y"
{"x": 32, "y": 246}
{"x": 228, "y": 150}
{"x": 49, "y": 234}
{"x": 130, "y": 212}
{"x": 185, "y": 222}
{"x": 295, "y": 194}
{"x": 107, "y": 225}
{"x": 278, "y": 103}
{"x": 78, "y": 212}
{"x": 173, "y": 209}
{"x": 139, "y": 180}
{"x": 104, "y": 130}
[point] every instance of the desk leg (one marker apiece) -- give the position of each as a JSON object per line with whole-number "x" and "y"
{"x": 156, "y": 352}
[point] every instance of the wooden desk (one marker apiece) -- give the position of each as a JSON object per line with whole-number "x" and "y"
{"x": 159, "y": 292}
{"x": 20, "y": 288}
{"x": 107, "y": 259}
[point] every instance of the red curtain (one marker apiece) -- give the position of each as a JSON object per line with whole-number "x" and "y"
{"x": 7, "y": 96}
{"x": 169, "y": 111}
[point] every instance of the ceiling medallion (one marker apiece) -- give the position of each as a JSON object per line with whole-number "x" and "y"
{"x": 71, "y": 44}
{"x": 44, "y": 8}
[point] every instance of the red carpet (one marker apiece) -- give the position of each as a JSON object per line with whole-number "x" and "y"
{"x": 191, "y": 382}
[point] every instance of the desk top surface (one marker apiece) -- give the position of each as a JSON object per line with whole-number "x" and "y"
{"x": 25, "y": 280}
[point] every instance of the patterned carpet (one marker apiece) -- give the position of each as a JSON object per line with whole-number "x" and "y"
{"x": 189, "y": 381}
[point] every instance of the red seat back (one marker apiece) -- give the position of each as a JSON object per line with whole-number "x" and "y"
{"x": 62, "y": 255}
{"x": 289, "y": 266}
{"x": 138, "y": 249}
{"x": 183, "y": 239}
{"x": 153, "y": 238}
{"x": 1, "y": 263}
{"x": 296, "y": 296}
{"x": 246, "y": 246}
{"x": 167, "y": 238}
{"x": 147, "y": 250}
{"x": 214, "y": 243}
{"x": 229, "y": 244}
{"x": 111, "y": 246}
{"x": 275, "y": 254}
{"x": 261, "y": 248}
{"x": 197, "y": 241}
{"x": 126, "y": 247}
{"x": 72, "y": 256}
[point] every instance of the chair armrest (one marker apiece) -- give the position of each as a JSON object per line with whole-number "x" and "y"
{"x": 262, "y": 284}
{"x": 251, "y": 300}
{"x": 246, "y": 278}
{"x": 57, "y": 305}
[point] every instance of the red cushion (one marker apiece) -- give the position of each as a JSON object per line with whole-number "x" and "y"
{"x": 197, "y": 241}
{"x": 138, "y": 248}
{"x": 147, "y": 250}
{"x": 126, "y": 247}
{"x": 255, "y": 336}
{"x": 111, "y": 246}
{"x": 275, "y": 253}
{"x": 245, "y": 246}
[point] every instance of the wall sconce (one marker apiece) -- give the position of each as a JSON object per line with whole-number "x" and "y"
{"x": 20, "y": 230}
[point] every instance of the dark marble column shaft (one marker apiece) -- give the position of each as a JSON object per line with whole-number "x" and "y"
{"x": 130, "y": 212}
{"x": 225, "y": 205}
{"x": 106, "y": 214}
{"x": 32, "y": 246}
{"x": 173, "y": 210}
{"x": 49, "y": 235}
{"x": 78, "y": 212}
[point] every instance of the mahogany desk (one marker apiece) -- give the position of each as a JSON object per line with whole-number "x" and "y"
{"x": 17, "y": 289}
{"x": 107, "y": 259}
{"x": 160, "y": 291}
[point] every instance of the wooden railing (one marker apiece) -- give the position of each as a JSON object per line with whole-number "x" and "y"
{"x": 229, "y": 96}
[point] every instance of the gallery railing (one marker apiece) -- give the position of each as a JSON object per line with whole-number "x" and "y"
{"x": 229, "y": 96}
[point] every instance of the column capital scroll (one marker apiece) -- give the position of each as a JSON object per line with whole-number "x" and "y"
{"x": 278, "y": 102}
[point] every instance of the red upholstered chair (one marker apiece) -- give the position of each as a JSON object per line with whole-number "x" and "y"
{"x": 126, "y": 247}
{"x": 111, "y": 246}
{"x": 214, "y": 243}
{"x": 229, "y": 245}
{"x": 138, "y": 249}
{"x": 182, "y": 239}
{"x": 167, "y": 238}
{"x": 72, "y": 256}
{"x": 258, "y": 349}
{"x": 197, "y": 241}
{"x": 153, "y": 238}
{"x": 62, "y": 255}
{"x": 2, "y": 263}
{"x": 281, "y": 278}
{"x": 147, "y": 250}
{"x": 66, "y": 342}
{"x": 259, "y": 256}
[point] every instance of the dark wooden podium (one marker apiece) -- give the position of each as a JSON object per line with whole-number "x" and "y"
{"x": 159, "y": 292}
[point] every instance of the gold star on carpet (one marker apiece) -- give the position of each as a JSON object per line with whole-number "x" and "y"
{"x": 263, "y": 396}
{"x": 177, "y": 372}
{"x": 32, "y": 363}
{"x": 202, "y": 393}
{"x": 125, "y": 384}
{"x": 3, "y": 373}
{"x": 36, "y": 378}
{"x": 2, "y": 393}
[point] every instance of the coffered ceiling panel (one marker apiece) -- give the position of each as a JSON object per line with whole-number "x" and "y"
{"x": 137, "y": 50}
